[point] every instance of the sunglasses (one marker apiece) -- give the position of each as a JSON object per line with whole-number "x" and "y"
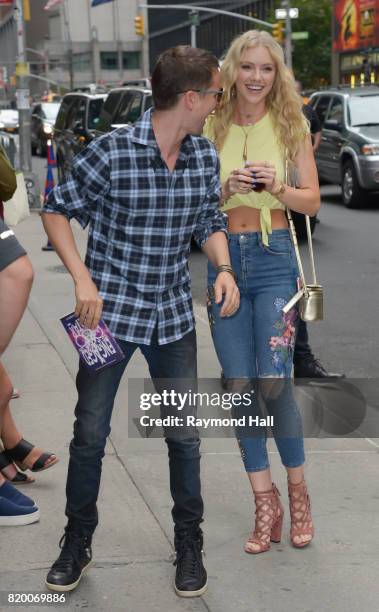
{"x": 217, "y": 93}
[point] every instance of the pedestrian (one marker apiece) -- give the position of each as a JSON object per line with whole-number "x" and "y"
{"x": 143, "y": 192}
{"x": 16, "y": 277}
{"x": 305, "y": 363}
{"x": 257, "y": 127}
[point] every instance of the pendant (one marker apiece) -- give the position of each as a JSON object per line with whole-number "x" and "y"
{"x": 244, "y": 154}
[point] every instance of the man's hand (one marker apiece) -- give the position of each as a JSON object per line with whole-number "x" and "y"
{"x": 89, "y": 304}
{"x": 225, "y": 285}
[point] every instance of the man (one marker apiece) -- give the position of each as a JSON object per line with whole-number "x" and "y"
{"x": 305, "y": 363}
{"x": 143, "y": 192}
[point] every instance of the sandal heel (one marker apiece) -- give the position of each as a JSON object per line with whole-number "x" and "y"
{"x": 276, "y": 531}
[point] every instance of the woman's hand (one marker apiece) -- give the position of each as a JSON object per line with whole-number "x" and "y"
{"x": 264, "y": 172}
{"x": 239, "y": 181}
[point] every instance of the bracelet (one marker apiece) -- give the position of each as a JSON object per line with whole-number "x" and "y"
{"x": 280, "y": 191}
{"x": 226, "y": 268}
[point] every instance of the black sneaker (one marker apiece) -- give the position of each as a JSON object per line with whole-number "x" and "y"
{"x": 191, "y": 575}
{"x": 76, "y": 555}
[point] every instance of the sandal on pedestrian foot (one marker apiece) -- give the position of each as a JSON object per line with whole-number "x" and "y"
{"x": 300, "y": 510}
{"x": 269, "y": 515}
{"x": 11, "y": 473}
{"x": 25, "y": 450}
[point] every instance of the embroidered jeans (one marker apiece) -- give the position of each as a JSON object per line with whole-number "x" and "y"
{"x": 258, "y": 342}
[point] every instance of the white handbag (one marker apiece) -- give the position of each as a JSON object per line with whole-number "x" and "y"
{"x": 17, "y": 208}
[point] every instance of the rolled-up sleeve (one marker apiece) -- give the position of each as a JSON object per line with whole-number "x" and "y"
{"x": 211, "y": 219}
{"x": 86, "y": 185}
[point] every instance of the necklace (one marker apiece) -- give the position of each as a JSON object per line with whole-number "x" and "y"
{"x": 250, "y": 125}
{"x": 246, "y": 132}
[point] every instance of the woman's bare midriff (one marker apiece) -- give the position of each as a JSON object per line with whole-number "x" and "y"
{"x": 246, "y": 219}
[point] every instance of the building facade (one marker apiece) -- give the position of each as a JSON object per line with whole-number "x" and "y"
{"x": 214, "y": 32}
{"x": 75, "y": 43}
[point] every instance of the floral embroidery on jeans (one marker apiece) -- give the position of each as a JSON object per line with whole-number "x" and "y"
{"x": 282, "y": 345}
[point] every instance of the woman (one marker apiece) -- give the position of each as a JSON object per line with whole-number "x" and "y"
{"x": 257, "y": 127}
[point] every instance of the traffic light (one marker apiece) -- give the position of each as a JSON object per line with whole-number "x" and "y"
{"x": 139, "y": 26}
{"x": 277, "y": 32}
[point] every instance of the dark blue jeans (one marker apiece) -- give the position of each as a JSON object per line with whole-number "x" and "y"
{"x": 96, "y": 394}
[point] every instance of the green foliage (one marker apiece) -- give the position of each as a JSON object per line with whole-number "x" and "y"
{"x": 311, "y": 58}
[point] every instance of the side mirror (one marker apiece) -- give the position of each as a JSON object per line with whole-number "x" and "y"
{"x": 333, "y": 124}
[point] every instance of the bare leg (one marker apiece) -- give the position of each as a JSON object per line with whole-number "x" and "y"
{"x": 259, "y": 481}
{"x": 15, "y": 284}
{"x": 296, "y": 476}
{"x": 6, "y": 389}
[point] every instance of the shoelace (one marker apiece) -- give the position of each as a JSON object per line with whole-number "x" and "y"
{"x": 188, "y": 556}
{"x": 70, "y": 543}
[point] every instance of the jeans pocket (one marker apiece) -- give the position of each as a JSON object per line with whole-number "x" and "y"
{"x": 277, "y": 247}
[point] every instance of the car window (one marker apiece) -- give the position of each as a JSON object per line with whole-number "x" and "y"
{"x": 135, "y": 109}
{"x": 336, "y": 110}
{"x": 80, "y": 118}
{"x": 94, "y": 110}
{"x": 313, "y": 101}
{"x": 109, "y": 108}
{"x": 363, "y": 110}
{"x": 148, "y": 102}
{"x": 61, "y": 119}
{"x": 322, "y": 107}
{"x": 122, "y": 112}
{"x": 50, "y": 110}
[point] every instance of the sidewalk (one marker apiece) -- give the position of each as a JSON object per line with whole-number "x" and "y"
{"x": 132, "y": 569}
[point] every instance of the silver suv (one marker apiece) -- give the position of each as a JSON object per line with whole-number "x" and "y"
{"x": 349, "y": 150}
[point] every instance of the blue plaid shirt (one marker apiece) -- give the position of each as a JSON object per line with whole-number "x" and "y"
{"x": 141, "y": 218}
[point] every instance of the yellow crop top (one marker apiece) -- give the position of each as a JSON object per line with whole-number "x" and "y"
{"x": 262, "y": 145}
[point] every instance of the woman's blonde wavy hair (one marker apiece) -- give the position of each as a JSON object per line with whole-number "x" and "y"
{"x": 283, "y": 102}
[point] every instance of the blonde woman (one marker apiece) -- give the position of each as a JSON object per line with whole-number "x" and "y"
{"x": 258, "y": 124}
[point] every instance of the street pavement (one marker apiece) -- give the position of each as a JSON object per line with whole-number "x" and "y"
{"x": 133, "y": 545}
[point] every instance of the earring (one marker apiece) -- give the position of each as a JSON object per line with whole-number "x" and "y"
{"x": 233, "y": 91}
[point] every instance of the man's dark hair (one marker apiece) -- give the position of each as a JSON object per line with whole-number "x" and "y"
{"x": 179, "y": 69}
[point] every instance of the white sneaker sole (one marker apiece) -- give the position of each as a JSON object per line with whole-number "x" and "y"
{"x": 191, "y": 593}
{"x": 61, "y": 588}
{"x": 22, "y": 519}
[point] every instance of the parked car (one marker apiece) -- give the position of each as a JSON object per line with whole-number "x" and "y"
{"x": 75, "y": 127}
{"x": 42, "y": 122}
{"x": 9, "y": 120}
{"x": 123, "y": 106}
{"x": 139, "y": 82}
{"x": 349, "y": 150}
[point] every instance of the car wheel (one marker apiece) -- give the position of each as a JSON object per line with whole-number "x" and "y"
{"x": 352, "y": 193}
{"x": 300, "y": 225}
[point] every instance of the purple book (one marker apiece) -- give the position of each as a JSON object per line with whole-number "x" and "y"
{"x": 96, "y": 347}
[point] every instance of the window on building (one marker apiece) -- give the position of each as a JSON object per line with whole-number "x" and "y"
{"x": 108, "y": 60}
{"x": 81, "y": 62}
{"x": 131, "y": 60}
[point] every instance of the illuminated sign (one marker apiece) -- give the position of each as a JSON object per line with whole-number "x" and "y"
{"x": 356, "y": 24}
